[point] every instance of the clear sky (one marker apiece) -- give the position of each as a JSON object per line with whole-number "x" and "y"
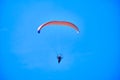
{"x": 93, "y": 54}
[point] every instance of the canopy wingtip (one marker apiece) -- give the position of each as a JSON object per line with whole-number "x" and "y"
{"x": 38, "y": 31}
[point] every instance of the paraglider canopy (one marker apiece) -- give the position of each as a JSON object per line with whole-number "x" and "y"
{"x": 64, "y": 23}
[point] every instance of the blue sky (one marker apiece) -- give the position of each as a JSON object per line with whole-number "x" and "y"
{"x": 91, "y": 55}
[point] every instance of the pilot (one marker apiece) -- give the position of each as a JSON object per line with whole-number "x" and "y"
{"x": 59, "y": 57}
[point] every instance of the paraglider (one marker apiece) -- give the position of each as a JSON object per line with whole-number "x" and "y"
{"x": 63, "y": 23}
